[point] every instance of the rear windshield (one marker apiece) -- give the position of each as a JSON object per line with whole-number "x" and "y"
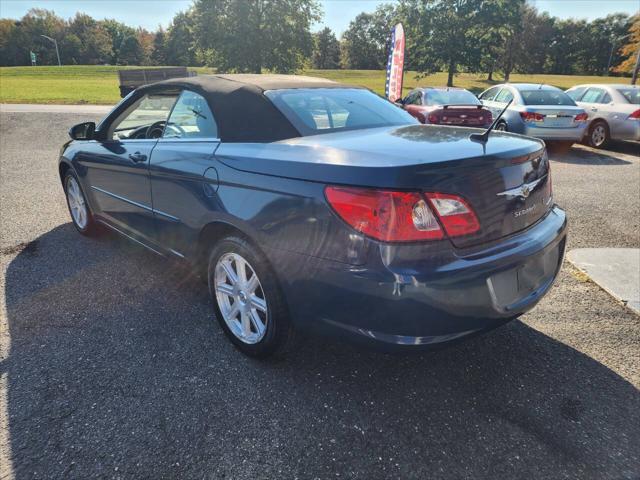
{"x": 545, "y": 97}
{"x": 632, "y": 95}
{"x": 323, "y": 110}
{"x": 451, "y": 97}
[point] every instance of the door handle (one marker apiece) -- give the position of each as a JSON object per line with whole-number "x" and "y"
{"x": 594, "y": 109}
{"x": 138, "y": 157}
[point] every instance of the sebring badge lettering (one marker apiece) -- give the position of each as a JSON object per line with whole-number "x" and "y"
{"x": 525, "y": 211}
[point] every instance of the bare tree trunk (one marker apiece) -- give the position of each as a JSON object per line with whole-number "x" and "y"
{"x": 452, "y": 71}
{"x": 490, "y": 76}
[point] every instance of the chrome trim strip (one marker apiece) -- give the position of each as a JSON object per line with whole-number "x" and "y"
{"x": 149, "y": 209}
{"x": 188, "y": 140}
{"x": 131, "y": 238}
{"x": 170, "y": 217}
{"x": 122, "y": 198}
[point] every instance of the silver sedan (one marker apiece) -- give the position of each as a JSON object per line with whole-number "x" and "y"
{"x": 536, "y": 110}
{"x": 614, "y": 111}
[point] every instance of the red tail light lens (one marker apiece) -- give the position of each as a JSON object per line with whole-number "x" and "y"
{"x": 456, "y": 215}
{"x": 392, "y": 216}
{"x": 635, "y": 115}
{"x": 385, "y": 215}
{"x": 581, "y": 117}
{"x": 433, "y": 118}
{"x": 532, "y": 117}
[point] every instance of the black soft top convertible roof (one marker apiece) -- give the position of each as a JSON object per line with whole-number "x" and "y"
{"x": 242, "y": 111}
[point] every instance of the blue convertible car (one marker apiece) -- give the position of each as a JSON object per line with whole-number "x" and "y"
{"x": 313, "y": 205}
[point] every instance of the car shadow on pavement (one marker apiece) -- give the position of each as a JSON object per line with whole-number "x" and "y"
{"x": 581, "y": 155}
{"x": 118, "y": 369}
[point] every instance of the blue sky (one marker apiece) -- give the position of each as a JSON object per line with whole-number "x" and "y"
{"x": 337, "y": 13}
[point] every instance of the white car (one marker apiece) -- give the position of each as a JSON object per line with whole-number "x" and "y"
{"x": 614, "y": 111}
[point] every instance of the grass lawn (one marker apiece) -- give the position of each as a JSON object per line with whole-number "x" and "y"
{"x": 99, "y": 84}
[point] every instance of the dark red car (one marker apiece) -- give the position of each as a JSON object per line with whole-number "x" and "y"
{"x": 446, "y": 106}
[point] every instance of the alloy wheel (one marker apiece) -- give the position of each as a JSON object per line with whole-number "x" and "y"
{"x": 240, "y": 297}
{"x": 77, "y": 204}
{"x": 598, "y": 135}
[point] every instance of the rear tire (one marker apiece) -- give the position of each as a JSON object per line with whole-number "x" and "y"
{"x": 247, "y": 299}
{"x": 79, "y": 209}
{"x": 599, "y": 135}
{"x": 502, "y": 127}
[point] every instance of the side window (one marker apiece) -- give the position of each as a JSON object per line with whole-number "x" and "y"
{"x": 489, "y": 94}
{"x": 504, "y": 96}
{"x": 191, "y": 118}
{"x": 413, "y": 98}
{"x": 593, "y": 95}
{"x": 576, "y": 93}
{"x": 144, "y": 119}
{"x": 606, "y": 98}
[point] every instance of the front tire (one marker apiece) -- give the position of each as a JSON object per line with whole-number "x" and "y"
{"x": 81, "y": 215}
{"x": 599, "y": 135}
{"x": 248, "y": 302}
{"x": 501, "y": 127}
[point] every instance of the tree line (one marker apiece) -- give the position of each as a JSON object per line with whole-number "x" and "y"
{"x": 488, "y": 36}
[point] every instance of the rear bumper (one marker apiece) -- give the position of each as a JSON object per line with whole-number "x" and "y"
{"x": 573, "y": 133}
{"x": 405, "y": 296}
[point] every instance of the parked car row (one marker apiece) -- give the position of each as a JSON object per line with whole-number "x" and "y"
{"x": 592, "y": 113}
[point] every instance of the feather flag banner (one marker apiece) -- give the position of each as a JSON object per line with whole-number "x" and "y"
{"x": 395, "y": 64}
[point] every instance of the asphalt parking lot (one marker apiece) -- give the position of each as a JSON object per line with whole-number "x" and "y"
{"x": 112, "y": 365}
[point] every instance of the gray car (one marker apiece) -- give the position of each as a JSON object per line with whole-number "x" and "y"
{"x": 614, "y": 111}
{"x": 540, "y": 111}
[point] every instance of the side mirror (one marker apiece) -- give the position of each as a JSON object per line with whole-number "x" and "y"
{"x": 83, "y": 131}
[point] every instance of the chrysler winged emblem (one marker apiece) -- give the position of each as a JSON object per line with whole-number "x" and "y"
{"x": 523, "y": 191}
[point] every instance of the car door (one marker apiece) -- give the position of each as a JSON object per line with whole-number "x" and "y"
{"x": 182, "y": 173}
{"x": 487, "y": 98}
{"x": 117, "y": 166}
{"x": 592, "y": 102}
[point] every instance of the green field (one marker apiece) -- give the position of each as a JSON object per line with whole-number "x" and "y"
{"x": 99, "y": 84}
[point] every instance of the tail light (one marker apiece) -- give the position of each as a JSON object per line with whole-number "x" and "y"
{"x": 456, "y": 215}
{"x": 393, "y": 216}
{"x": 532, "y": 117}
{"x": 582, "y": 117}
{"x": 433, "y": 118}
{"x": 635, "y": 115}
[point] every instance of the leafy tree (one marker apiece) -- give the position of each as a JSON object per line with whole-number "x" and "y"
{"x": 326, "y": 50}
{"x": 447, "y": 34}
{"x": 159, "y": 54}
{"x": 9, "y": 52}
{"x": 117, "y": 31}
{"x": 179, "y": 43}
{"x": 131, "y": 52}
{"x": 364, "y": 43}
{"x": 630, "y": 51}
{"x": 95, "y": 41}
{"x": 532, "y": 51}
{"x": 145, "y": 39}
{"x": 249, "y": 35}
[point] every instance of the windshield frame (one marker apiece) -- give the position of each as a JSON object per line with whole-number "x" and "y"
{"x": 275, "y": 96}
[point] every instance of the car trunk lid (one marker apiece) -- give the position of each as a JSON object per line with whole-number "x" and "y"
{"x": 505, "y": 181}
{"x": 464, "y": 115}
{"x": 554, "y": 116}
